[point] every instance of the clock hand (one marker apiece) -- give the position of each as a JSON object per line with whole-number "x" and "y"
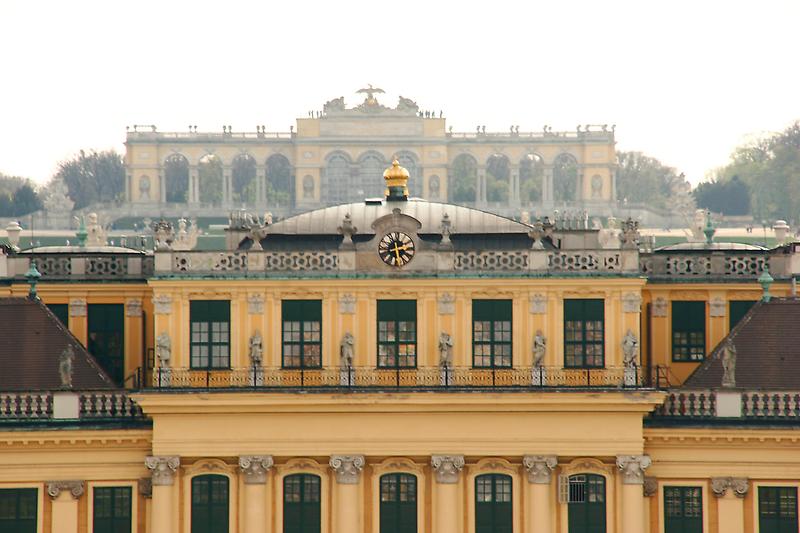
{"x": 397, "y": 253}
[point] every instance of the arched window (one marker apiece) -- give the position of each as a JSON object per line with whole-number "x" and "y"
{"x": 463, "y": 179}
{"x": 587, "y": 503}
{"x": 493, "y": 510}
{"x": 176, "y": 174}
{"x": 565, "y": 178}
{"x": 409, "y": 161}
{"x": 370, "y": 177}
{"x": 531, "y": 172}
{"x": 498, "y": 178}
{"x": 434, "y": 186}
{"x": 301, "y": 504}
{"x": 280, "y": 182}
{"x": 336, "y": 179}
{"x": 209, "y": 171}
{"x": 398, "y": 503}
{"x": 210, "y": 504}
{"x": 243, "y": 174}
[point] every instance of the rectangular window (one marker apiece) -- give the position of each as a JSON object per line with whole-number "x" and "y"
{"x": 683, "y": 510}
{"x": 397, "y": 333}
{"x": 777, "y": 509}
{"x": 302, "y": 333}
{"x": 112, "y": 510}
{"x": 18, "y": 510}
{"x": 584, "y": 333}
{"x": 210, "y": 333}
{"x": 491, "y": 333}
{"x": 737, "y": 310}
{"x": 61, "y": 311}
{"x": 688, "y": 331}
{"x": 106, "y": 328}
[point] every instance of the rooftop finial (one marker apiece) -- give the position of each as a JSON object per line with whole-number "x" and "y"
{"x": 396, "y": 179}
{"x": 765, "y": 280}
{"x": 709, "y": 230}
{"x": 33, "y": 275}
{"x": 81, "y": 234}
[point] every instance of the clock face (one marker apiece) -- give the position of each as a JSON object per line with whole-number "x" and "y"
{"x": 396, "y": 249}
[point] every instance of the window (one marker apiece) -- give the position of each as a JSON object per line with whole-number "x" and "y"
{"x": 61, "y": 311}
{"x": 112, "y": 510}
{"x": 737, "y": 310}
{"x": 397, "y": 333}
{"x": 777, "y": 509}
{"x": 210, "y": 343}
{"x": 491, "y": 333}
{"x": 584, "y": 336}
{"x": 587, "y": 504}
{"x": 18, "y": 509}
{"x": 107, "y": 338}
{"x": 493, "y": 512}
{"x": 683, "y": 510}
{"x": 302, "y": 333}
{"x": 301, "y": 504}
{"x": 688, "y": 331}
{"x": 398, "y": 503}
{"x": 210, "y": 504}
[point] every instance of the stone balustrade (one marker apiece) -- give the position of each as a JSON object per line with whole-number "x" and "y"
{"x": 727, "y": 404}
{"x": 705, "y": 264}
{"x": 65, "y": 266}
{"x": 96, "y": 406}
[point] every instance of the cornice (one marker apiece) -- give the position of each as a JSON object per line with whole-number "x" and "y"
{"x": 718, "y": 437}
{"x": 61, "y": 439}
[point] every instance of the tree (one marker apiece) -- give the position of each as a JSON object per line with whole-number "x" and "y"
{"x": 18, "y": 196}
{"x": 93, "y": 177}
{"x": 644, "y": 179}
{"x": 25, "y": 200}
{"x": 729, "y": 197}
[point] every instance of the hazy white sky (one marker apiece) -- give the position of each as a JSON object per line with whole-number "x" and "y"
{"x": 684, "y": 80}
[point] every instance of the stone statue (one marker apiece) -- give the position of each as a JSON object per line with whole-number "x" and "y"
{"x": 539, "y": 348}
{"x": 346, "y": 349}
{"x": 445, "y": 350}
{"x": 256, "y": 350}
{"x": 728, "y": 357}
{"x": 630, "y": 349}
{"x": 337, "y": 104}
{"x": 347, "y": 229}
{"x": 407, "y": 104}
{"x": 630, "y": 234}
{"x": 186, "y": 238}
{"x": 144, "y": 188}
{"x": 95, "y": 234}
{"x": 163, "y": 350}
{"x": 65, "y": 369}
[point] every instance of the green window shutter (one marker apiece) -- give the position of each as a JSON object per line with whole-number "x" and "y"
{"x": 737, "y": 310}
{"x": 18, "y": 510}
{"x": 209, "y": 334}
{"x": 301, "y": 504}
{"x": 584, "y": 333}
{"x": 398, "y": 503}
{"x": 777, "y": 509}
{"x": 61, "y": 311}
{"x": 493, "y": 504}
{"x": 397, "y": 333}
{"x": 106, "y": 338}
{"x": 491, "y": 333}
{"x": 112, "y": 510}
{"x": 301, "y": 333}
{"x": 210, "y": 504}
{"x": 587, "y": 504}
{"x": 688, "y": 331}
{"x": 683, "y": 510}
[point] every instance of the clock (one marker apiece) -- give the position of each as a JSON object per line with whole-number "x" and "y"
{"x": 396, "y": 249}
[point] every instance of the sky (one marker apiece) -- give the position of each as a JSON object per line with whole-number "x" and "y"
{"x": 685, "y": 81}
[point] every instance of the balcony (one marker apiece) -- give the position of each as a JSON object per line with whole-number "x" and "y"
{"x": 40, "y": 406}
{"x": 705, "y": 406}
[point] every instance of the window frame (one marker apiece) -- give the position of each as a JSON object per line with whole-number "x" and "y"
{"x": 304, "y": 313}
{"x": 494, "y": 507}
{"x": 493, "y": 312}
{"x": 209, "y": 313}
{"x": 112, "y": 527}
{"x": 396, "y": 312}
{"x": 305, "y": 509}
{"x": 681, "y": 523}
{"x": 18, "y": 523}
{"x": 398, "y": 515}
{"x": 793, "y": 521}
{"x": 687, "y": 312}
{"x": 586, "y": 311}
{"x": 207, "y": 522}
{"x": 104, "y": 316}
{"x": 587, "y": 508}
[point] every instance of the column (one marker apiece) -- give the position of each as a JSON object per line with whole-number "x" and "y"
{"x": 513, "y": 193}
{"x": 480, "y": 190}
{"x": 162, "y": 186}
{"x": 547, "y": 185}
{"x": 194, "y": 178}
{"x": 539, "y": 513}
{"x": 632, "y": 469}
{"x": 261, "y": 185}
{"x": 447, "y": 469}
{"x": 65, "y": 496}
{"x": 163, "y": 470}
{"x": 226, "y": 186}
{"x": 346, "y": 508}
{"x": 730, "y": 493}
{"x": 254, "y": 469}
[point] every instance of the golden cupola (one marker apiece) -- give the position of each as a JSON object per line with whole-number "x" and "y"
{"x": 396, "y": 178}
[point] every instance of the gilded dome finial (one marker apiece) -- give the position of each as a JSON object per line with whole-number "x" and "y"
{"x": 396, "y": 178}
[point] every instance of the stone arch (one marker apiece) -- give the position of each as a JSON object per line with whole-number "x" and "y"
{"x": 280, "y": 181}
{"x": 209, "y": 172}
{"x": 176, "y": 176}
{"x": 463, "y": 179}
{"x": 565, "y": 178}
{"x": 498, "y": 178}
{"x": 434, "y": 187}
{"x": 370, "y": 183}
{"x": 337, "y": 178}
{"x": 531, "y": 174}
{"x": 243, "y": 177}
{"x": 308, "y": 187}
{"x": 410, "y": 161}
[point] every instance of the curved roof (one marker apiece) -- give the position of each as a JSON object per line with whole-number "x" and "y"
{"x": 81, "y": 249}
{"x": 702, "y": 246}
{"x": 429, "y": 214}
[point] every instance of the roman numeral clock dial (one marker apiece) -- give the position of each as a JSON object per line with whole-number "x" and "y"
{"x": 396, "y": 249}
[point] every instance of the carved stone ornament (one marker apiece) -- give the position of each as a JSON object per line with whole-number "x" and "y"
{"x": 632, "y": 468}
{"x": 77, "y": 307}
{"x": 146, "y": 487}
{"x": 659, "y": 307}
{"x": 347, "y": 304}
{"x": 255, "y": 304}
{"x": 739, "y": 486}
{"x": 255, "y": 468}
{"x": 728, "y": 357}
{"x": 162, "y": 468}
{"x": 539, "y": 467}
{"x": 650, "y": 487}
{"x": 447, "y": 304}
{"x": 162, "y": 304}
{"x": 347, "y": 468}
{"x": 538, "y": 303}
{"x": 447, "y": 467}
{"x": 133, "y": 308}
{"x": 717, "y": 306}
{"x": 631, "y": 303}
{"x": 75, "y": 488}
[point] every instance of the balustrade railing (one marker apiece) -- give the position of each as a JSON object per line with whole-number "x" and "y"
{"x": 754, "y": 405}
{"x": 97, "y": 406}
{"x": 713, "y": 264}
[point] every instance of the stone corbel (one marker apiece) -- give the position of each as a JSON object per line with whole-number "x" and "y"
{"x": 146, "y": 487}
{"x": 447, "y": 304}
{"x": 255, "y": 468}
{"x": 162, "y": 468}
{"x": 255, "y": 304}
{"x": 631, "y": 303}
{"x": 75, "y": 487}
{"x": 650, "y": 487}
{"x": 538, "y": 304}
{"x": 347, "y": 304}
{"x": 739, "y": 486}
{"x": 347, "y": 468}
{"x": 162, "y": 304}
{"x": 659, "y": 307}
{"x": 133, "y": 308}
{"x": 77, "y": 307}
{"x": 539, "y": 467}
{"x": 632, "y": 468}
{"x": 447, "y": 467}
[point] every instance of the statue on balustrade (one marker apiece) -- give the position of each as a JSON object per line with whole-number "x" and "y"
{"x": 630, "y": 350}
{"x": 346, "y": 351}
{"x": 539, "y": 348}
{"x": 445, "y": 350}
{"x": 163, "y": 350}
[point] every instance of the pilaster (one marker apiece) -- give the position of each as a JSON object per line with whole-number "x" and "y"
{"x": 163, "y": 470}
{"x": 632, "y": 469}
{"x": 65, "y": 496}
{"x": 447, "y": 469}
{"x": 347, "y": 510}
{"x": 539, "y": 517}
{"x": 254, "y": 469}
{"x": 730, "y": 493}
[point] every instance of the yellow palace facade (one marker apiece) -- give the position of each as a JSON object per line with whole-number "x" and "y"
{"x": 395, "y": 366}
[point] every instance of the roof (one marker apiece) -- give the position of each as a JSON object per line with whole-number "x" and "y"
{"x": 463, "y": 219}
{"x": 33, "y": 339}
{"x": 703, "y": 246}
{"x": 767, "y": 342}
{"x": 106, "y": 249}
